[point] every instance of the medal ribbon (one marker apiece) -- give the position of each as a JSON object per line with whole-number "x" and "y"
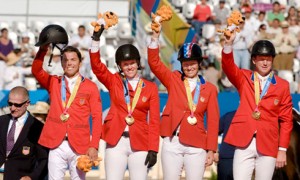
{"x": 65, "y": 105}
{"x": 135, "y": 98}
{"x": 258, "y": 96}
{"x": 192, "y": 103}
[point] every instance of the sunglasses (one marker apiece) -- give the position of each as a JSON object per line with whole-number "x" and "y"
{"x": 16, "y": 104}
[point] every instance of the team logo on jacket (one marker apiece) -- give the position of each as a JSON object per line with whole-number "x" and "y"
{"x": 202, "y": 99}
{"x": 276, "y": 101}
{"x": 81, "y": 101}
{"x": 26, "y": 150}
{"x": 144, "y": 99}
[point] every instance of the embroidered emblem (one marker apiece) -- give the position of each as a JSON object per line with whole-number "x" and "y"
{"x": 144, "y": 99}
{"x": 202, "y": 99}
{"x": 276, "y": 101}
{"x": 81, "y": 101}
{"x": 26, "y": 150}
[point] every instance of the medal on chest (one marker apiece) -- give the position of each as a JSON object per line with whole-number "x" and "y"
{"x": 256, "y": 114}
{"x": 130, "y": 107}
{"x": 66, "y": 105}
{"x": 192, "y": 102}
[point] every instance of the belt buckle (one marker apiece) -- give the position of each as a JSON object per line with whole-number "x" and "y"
{"x": 125, "y": 134}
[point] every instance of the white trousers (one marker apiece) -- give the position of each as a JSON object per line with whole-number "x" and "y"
{"x": 176, "y": 155}
{"x": 118, "y": 157}
{"x": 61, "y": 159}
{"x": 247, "y": 159}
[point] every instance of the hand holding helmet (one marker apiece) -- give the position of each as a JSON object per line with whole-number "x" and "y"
{"x": 53, "y": 34}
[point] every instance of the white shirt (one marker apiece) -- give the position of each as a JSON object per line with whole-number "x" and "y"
{"x": 14, "y": 76}
{"x": 133, "y": 82}
{"x": 71, "y": 82}
{"x": 192, "y": 83}
{"x": 262, "y": 80}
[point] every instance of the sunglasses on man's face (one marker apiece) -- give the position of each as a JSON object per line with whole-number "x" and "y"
{"x": 16, "y": 104}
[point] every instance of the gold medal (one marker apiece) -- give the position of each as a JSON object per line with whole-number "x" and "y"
{"x": 192, "y": 120}
{"x": 64, "y": 117}
{"x": 129, "y": 120}
{"x": 256, "y": 115}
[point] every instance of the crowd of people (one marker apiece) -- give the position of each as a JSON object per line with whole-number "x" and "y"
{"x": 259, "y": 130}
{"x": 278, "y": 23}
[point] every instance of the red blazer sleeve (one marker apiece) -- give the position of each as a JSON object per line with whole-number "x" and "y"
{"x": 100, "y": 70}
{"x": 96, "y": 114}
{"x": 158, "y": 68}
{"x": 37, "y": 70}
{"x": 285, "y": 119}
{"x": 154, "y": 120}
{"x": 231, "y": 70}
{"x": 213, "y": 116}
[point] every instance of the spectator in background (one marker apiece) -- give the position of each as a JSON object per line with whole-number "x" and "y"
{"x": 261, "y": 19}
{"x": 224, "y": 157}
{"x": 221, "y": 12}
{"x": 82, "y": 41}
{"x": 293, "y": 25}
{"x": 262, "y": 33}
{"x": 275, "y": 13}
{"x": 250, "y": 20}
{"x": 21, "y": 157}
{"x": 241, "y": 44}
{"x": 40, "y": 111}
{"x": 292, "y": 12}
{"x": 14, "y": 75}
{"x": 275, "y": 28}
{"x": 27, "y": 50}
{"x": 214, "y": 50}
{"x": 202, "y": 15}
{"x": 285, "y": 45}
{"x": 6, "y": 47}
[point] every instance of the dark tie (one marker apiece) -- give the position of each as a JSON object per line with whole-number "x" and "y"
{"x": 10, "y": 136}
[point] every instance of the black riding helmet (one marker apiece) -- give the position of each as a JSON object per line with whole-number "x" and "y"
{"x": 190, "y": 51}
{"x": 54, "y": 34}
{"x": 263, "y": 47}
{"x": 128, "y": 52}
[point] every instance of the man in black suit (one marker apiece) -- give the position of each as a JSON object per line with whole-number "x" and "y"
{"x": 21, "y": 157}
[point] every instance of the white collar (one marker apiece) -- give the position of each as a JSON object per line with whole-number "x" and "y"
{"x": 22, "y": 119}
{"x": 72, "y": 79}
{"x": 263, "y": 78}
{"x": 137, "y": 78}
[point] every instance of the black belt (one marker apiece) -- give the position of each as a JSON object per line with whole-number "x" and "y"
{"x": 66, "y": 138}
{"x": 175, "y": 133}
{"x": 125, "y": 134}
